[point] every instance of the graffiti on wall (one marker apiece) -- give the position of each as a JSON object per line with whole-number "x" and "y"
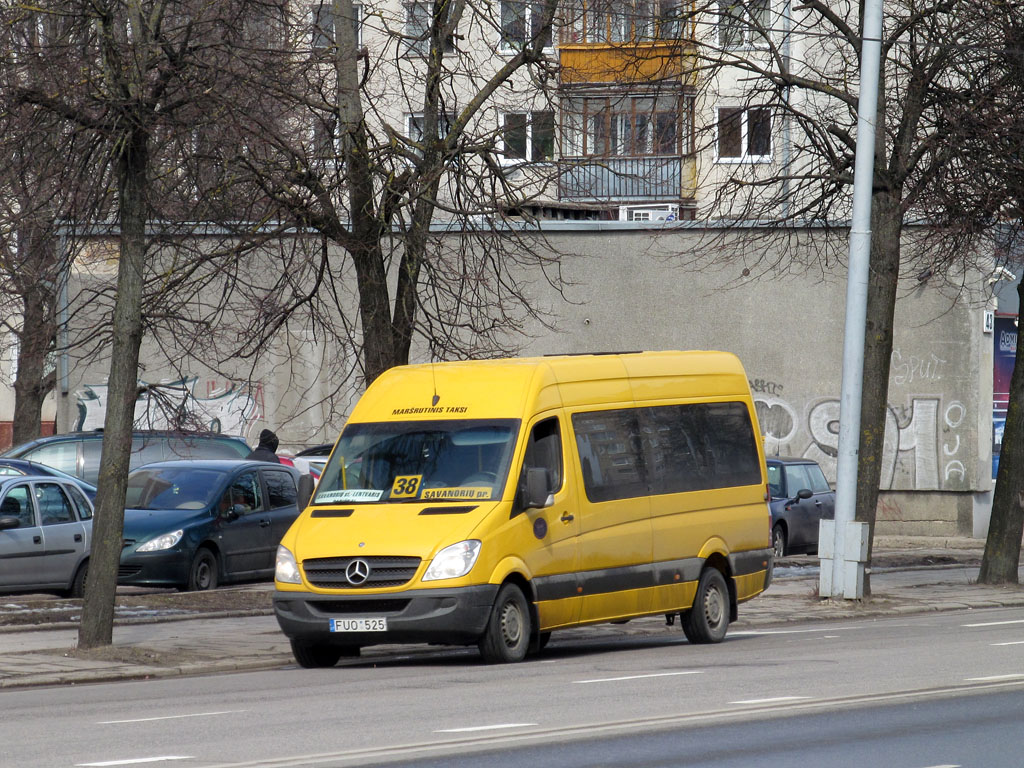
{"x": 217, "y": 406}
{"x": 925, "y": 438}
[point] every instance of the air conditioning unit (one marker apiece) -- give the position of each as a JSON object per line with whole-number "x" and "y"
{"x": 664, "y": 212}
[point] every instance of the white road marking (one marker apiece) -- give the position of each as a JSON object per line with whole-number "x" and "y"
{"x": 640, "y": 677}
{"x": 171, "y": 717}
{"x": 771, "y": 701}
{"x": 994, "y": 623}
{"x": 1015, "y": 642}
{"x": 943, "y": 766}
{"x": 136, "y": 761}
{"x": 755, "y": 632}
{"x": 991, "y": 678}
{"x": 486, "y": 727}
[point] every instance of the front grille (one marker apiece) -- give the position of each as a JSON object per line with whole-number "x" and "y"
{"x": 329, "y": 572}
{"x": 124, "y": 571}
{"x": 364, "y": 607}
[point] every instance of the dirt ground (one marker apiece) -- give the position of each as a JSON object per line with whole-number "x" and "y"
{"x": 137, "y": 605}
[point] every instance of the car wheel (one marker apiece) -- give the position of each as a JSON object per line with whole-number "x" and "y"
{"x": 78, "y": 585}
{"x": 507, "y": 637}
{"x": 708, "y": 620}
{"x": 316, "y": 655}
{"x": 203, "y": 573}
{"x": 779, "y": 541}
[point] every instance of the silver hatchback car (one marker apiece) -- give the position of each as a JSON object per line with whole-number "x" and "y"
{"x": 45, "y": 535}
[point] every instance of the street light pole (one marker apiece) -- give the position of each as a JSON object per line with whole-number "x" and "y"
{"x": 844, "y": 542}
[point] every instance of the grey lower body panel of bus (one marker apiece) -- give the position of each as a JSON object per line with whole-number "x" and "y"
{"x": 451, "y": 616}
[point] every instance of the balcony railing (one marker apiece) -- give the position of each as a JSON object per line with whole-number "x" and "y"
{"x": 601, "y": 179}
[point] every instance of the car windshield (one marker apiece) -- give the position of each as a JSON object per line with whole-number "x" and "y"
{"x": 419, "y": 461}
{"x": 173, "y": 488}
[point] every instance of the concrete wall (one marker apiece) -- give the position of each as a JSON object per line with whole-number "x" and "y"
{"x": 632, "y": 289}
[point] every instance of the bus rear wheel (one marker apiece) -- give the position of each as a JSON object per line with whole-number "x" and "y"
{"x": 708, "y": 620}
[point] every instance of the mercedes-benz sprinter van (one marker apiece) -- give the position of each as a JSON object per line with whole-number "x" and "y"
{"x": 492, "y": 502}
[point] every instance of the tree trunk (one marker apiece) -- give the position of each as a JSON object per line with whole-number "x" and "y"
{"x": 886, "y": 223}
{"x": 35, "y": 342}
{"x": 1000, "y": 562}
{"x": 97, "y": 624}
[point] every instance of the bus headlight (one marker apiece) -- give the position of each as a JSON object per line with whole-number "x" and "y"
{"x": 286, "y": 570}
{"x": 453, "y": 561}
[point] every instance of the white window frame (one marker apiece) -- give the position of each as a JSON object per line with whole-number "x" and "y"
{"x": 505, "y": 160}
{"x": 749, "y": 40}
{"x": 535, "y": 9}
{"x": 414, "y": 28}
{"x": 417, "y": 136}
{"x": 319, "y": 39}
{"x": 745, "y": 137}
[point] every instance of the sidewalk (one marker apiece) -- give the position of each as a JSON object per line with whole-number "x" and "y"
{"x": 909, "y": 576}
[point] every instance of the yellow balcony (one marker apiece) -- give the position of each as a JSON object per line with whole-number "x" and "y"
{"x": 582, "y": 63}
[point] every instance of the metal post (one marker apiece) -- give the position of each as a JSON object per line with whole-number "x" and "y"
{"x": 842, "y": 580}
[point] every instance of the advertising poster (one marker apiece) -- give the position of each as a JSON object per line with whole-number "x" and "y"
{"x": 1005, "y": 338}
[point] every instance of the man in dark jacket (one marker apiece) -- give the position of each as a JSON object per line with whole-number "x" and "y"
{"x": 266, "y": 450}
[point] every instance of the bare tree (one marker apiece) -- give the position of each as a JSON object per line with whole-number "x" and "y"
{"x": 142, "y": 72}
{"x": 381, "y": 129}
{"x": 981, "y": 187}
{"x": 794, "y": 77}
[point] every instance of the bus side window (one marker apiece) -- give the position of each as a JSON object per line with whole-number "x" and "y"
{"x": 543, "y": 450}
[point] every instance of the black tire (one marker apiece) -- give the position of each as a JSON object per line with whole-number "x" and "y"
{"x": 779, "y": 540}
{"x": 203, "y": 573}
{"x": 78, "y": 583}
{"x": 708, "y": 620}
{"x": 317, "y": 655}
{"x": 507, "y": 637}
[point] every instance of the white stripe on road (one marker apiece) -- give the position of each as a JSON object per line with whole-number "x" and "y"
{"x": 994, "y": 623}
{"x": 943, "y": 766}
{"x": 640, "y": 677}
{"x": 991, "y": 678}
{"x": 136, "y": 761}
{"x": 171, "y": 717}
{"x": 756, "y": 632}
{"x": 486, "y": 728}
{"x": 1015, "y": 642}
{"x": 775, "y": 700}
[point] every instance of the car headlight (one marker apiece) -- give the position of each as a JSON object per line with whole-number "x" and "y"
{"x": 163, "y": 541}
{"x": 286, "y": 569}
{"x": 453, "y": 561}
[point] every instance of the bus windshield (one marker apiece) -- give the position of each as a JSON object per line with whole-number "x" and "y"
{"x": 451, "y": 460}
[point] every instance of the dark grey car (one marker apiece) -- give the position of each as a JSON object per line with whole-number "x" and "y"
{"x": 800, "y": 498}
{"x": 45, "y": 535}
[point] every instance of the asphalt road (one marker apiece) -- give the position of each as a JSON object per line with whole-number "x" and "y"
{"x": 600, "y": 699}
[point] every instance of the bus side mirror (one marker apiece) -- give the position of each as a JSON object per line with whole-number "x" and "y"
{"x": 305, "y": 491}
{"x": 538, "y": 488}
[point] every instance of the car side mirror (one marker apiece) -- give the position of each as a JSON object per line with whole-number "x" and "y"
{"x": 233, "y": 512}
{"x": 538, "y": 488}
{"x": 8, "y": 522}
{"x": 804, "y": 493}
{"x": 305, "y": 491}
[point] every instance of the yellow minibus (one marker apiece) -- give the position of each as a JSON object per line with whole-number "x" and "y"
{"x": 493, "y": 502}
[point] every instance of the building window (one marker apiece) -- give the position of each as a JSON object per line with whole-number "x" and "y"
{"x": 743, "y": 23}
{"x": 321, "y": 18}
{"x": 419, "y": 16}
{"x": 744, "y": 134}
{"x": 521, "y": 22}
{"x": 414, "y": 125}
{"x": 617, "y": 21}
{"x": 528, "y": 136}
{"x": 629, "y": 126}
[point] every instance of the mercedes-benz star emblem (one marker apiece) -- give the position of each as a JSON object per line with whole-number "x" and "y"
{"x": 357, "y": 572}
